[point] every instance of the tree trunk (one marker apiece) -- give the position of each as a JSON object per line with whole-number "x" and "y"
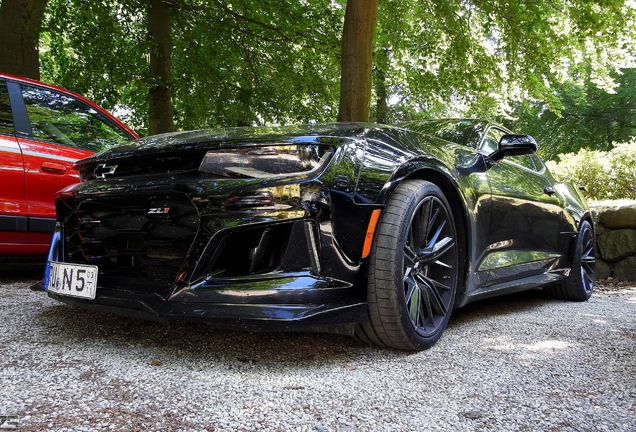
{"x": 357, "y": 49}
{"x": 160, "y": 109}
{"x": 243, "y": 115}
{"x": 20, "y": 22}
{"x": 379, "y": 79}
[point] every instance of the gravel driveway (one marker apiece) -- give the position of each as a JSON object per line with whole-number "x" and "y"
{"x": 521, "y": 362}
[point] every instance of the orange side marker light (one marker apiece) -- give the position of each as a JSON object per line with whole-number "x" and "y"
{"x": 368, "y": 239}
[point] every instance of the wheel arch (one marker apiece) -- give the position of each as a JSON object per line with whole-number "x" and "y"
{"x": 440, "y": 176}
{"x": 585, "y": 217}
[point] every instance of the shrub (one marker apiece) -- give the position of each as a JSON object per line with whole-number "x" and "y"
{"x": 604, "y": 175}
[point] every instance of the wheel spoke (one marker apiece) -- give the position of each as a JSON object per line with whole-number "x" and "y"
{"x": 434, "y": 294}
{"x": 586, "y": 277}
{"x": 409, "y": 257}
{"x": 431, "y": 218}
{"x": 432, "y": 254}
{"x": 413, "y": 302}
{"x": 419, "y": 225}
{"x": 427, "y": 310}
{"x": 435, "y": 284}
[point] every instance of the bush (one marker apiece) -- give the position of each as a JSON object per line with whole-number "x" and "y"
{"x": 604, "y": 175}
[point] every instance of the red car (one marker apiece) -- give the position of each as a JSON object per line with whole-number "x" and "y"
{"x": 43, "y": 130}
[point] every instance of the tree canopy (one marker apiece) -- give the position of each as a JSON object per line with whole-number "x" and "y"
{"x": 590, "y": 117}
{"x": 276, "y": 62}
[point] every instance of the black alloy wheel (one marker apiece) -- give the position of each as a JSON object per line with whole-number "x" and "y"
{"x": 580, "y": 283}
{"x": 413, "y": 269}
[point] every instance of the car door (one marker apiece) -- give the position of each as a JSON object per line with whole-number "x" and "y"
{"x": 13, "y": 206}
{"x": 53, "y": 130}
{"x": 525, "y": 221}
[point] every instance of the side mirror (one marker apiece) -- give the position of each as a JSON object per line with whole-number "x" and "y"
{"x": 513, "y": 145}
{"x": 509, "y": 145}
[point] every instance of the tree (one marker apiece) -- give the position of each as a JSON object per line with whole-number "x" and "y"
{"x": 457, "y": 57}
{"x": 588, "y": 118}
{"x": 20, "y": 22}
{"x": 246, "y": 62}
{"x": 160, "y": 108}
{"x": 258, "y": 63}
{"x": 232, "y": 65}
{"x": 357, "y": 48}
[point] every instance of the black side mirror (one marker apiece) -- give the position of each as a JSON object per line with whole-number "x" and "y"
{"x": 509, "y": 145}
{"x": 513, "y": 145}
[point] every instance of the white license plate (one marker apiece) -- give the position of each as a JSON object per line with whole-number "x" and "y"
{"x": 74, "y": 280}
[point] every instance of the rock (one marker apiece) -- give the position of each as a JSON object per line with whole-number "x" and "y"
{"x": 620, "y": 218}
{"x": 616, "y": 245}
{"x": 626, "y": 269}
{"x": 600, "y": 229}
{"x": 603, "y": 269}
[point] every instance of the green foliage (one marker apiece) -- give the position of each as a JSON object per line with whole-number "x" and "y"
{"x": 244, "y": 63}
{"x": 589, "y": 117}
{"x": 457, "y": 57}
{"x": 98, "y": 49}
{"x": 249, "y": 62}
{"x": 603, "y": 174}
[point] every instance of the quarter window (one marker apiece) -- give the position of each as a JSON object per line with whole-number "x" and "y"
{"x": 491, "y": 142}
{"x": 63, "y": 119}
{"x": 6, "y": 118}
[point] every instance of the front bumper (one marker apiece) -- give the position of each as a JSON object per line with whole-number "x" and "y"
{"x": 274, "y": 272}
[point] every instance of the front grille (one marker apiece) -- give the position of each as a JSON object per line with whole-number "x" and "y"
{"x": 173, "y": 162}
{"x": 141, "y": 237}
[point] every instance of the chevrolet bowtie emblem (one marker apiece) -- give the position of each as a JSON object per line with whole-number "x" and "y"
{"x": 102, "y": 170}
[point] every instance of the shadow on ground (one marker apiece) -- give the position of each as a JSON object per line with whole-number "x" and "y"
{"x": 176, "y": 341}
{"x": 22, "y": 270}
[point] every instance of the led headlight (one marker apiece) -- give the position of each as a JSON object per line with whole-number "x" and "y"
{"x": 273, "y": 160}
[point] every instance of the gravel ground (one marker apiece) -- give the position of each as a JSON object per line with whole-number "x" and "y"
{"x": 521, "y": 362}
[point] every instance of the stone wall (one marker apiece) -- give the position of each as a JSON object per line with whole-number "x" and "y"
{"x": 615, "y": 223}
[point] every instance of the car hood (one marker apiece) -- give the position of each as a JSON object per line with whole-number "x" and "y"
{"x": 331, "y": 133}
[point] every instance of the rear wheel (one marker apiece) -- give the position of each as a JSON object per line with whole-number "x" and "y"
{"x": 413, "y": 269}
{"x": 580, "y": 283}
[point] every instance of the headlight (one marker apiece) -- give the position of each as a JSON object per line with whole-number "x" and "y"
{"x": 273, "y": 160}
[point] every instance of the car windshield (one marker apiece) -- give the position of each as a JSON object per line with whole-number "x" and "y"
{"x": 460, "y": 131}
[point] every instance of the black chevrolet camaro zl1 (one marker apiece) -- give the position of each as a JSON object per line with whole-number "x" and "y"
{"x": 378, "y": 230}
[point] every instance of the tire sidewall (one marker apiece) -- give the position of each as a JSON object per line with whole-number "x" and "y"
{"x": 426, "y": 190}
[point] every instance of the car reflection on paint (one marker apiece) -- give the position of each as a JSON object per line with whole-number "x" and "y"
{"x": 376, "y": 230}
{"x": 263, "y": 151}
{"x": 264, "y": 198}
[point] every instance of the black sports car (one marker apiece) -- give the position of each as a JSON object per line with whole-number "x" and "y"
{"x": 381, "y": 230}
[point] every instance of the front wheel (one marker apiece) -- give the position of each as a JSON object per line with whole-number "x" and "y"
{"x": 580, "y": 283}
{"x": 413, "y": 269}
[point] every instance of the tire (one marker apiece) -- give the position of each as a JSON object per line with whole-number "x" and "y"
{"x": 579, "y": 285}
{"x": 413, "y": 269}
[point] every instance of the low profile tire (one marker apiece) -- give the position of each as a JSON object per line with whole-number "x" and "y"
{"x": 413, "y": 269}
{"x": 580, "y": 283}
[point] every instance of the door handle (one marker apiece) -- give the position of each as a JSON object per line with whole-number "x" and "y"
{"x": 54, "y": 168}
{"x": 549, "y": 190}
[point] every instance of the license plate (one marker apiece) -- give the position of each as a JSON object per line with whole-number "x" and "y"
{"x": 75, "y": 280}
